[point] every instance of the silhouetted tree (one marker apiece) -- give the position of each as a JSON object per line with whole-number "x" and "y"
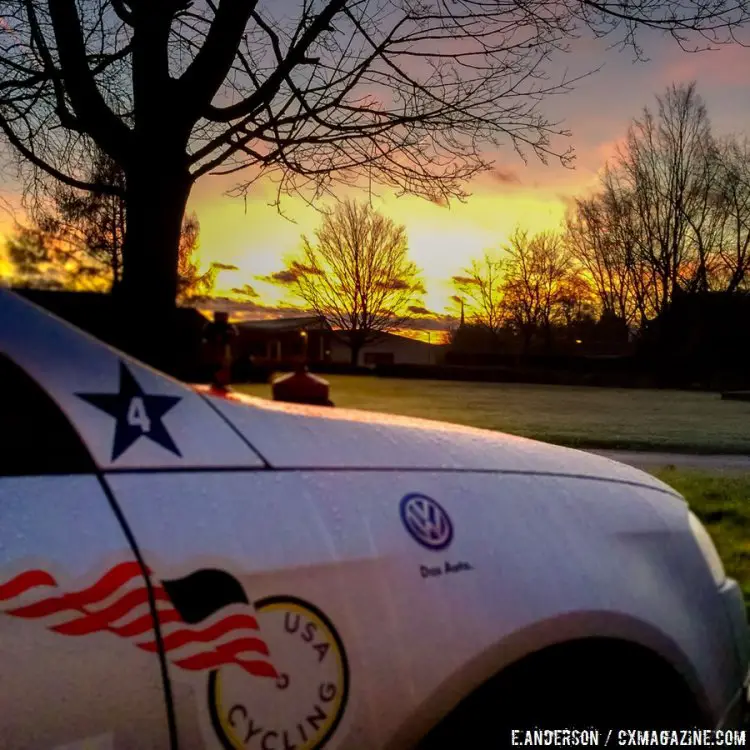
{"x": 479, "y": 293}
{"x": 357, "y": 275}
{"x": 733, "y": 238}
{"x": 53, "y": 254}
{"x": 667, "y": 169}
{"x": 409, "y": 93}
{"x": 539, "y": 278}
{"x": 90, "y": 224}
{"x": 597, "y": 239}
{"x": 39, "y": 261}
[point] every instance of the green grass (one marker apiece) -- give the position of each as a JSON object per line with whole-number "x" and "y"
{"x": 722, "y": 502}
{"x": 692, "y": 422}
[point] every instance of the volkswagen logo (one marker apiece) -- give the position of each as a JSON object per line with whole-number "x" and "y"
{"x": 426, "y": 521}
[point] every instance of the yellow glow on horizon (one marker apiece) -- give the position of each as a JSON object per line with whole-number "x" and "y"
{"x": 442, "y": 241}
{"x": 6, "y": 269}
{"x": 258, "y": 240}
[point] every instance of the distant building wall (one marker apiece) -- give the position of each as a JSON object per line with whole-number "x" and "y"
{"x": 390, "y": 350}
{"x": 283, "y": 341}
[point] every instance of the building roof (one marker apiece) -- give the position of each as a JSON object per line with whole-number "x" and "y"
{"x": 311, "y": 322}
{"x": 387, "y": 338}
{"x": 396, "y": 338}
{"x": 279, "y": 325}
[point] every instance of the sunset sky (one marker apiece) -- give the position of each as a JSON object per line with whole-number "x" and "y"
{"x": 256, "y": 239}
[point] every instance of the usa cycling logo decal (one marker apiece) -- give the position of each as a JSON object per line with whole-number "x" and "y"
{"x": 287, "y": 685}
{"x": 426, "y": 521}
{"x": 302, "y": 708}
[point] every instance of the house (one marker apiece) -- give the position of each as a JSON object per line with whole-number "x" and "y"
{"x": 267, "y": 343}
{"x": 389, "y": 349}
{"x": 283, "y": 340}
{"x": 289, "y": 340}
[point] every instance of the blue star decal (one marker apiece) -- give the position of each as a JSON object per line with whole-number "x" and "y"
{"x": 136, "y": 413}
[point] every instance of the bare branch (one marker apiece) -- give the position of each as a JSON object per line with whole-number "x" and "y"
{"x": 91, "y": 110}
{"x": 416, "y": 95}
{"x": 203, "y": 77}
{"x": 29, "y": 154}
{"x": 356, "y": 275}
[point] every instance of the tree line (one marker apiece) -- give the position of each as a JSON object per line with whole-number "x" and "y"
{"x": 670, "y": 216}
{"x": 411, "y": 95}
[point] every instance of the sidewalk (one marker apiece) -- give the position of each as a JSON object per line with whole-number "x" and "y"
{"x": 648, "y": 460}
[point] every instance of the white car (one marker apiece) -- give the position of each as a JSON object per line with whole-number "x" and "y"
{"x": 183, "y": 570}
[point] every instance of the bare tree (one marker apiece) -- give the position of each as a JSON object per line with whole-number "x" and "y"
{"x": 479, "y": 293}
{"x": 667, "y": 171}
{"x": 38, "y": 260}
{"x": 733, "y": 240}
{"x": 597, "y": 240}
{"x": 90, "y": 224}
{"x": 409, "y": 93}
{"x": 538, "y": 279}
{"x": 706, "y": 211}
{"x": 357, "y": 275}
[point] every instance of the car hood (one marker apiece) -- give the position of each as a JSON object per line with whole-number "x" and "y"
{"x": 95, "y": 386}
{"x": 294, "y": 436}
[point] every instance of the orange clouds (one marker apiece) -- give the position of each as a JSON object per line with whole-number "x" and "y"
{"x": 442, "y": 241}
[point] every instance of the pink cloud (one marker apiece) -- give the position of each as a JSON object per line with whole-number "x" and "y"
{"x": 726, "y": 66}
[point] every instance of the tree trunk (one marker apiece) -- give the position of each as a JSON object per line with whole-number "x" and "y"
{"x": 548, "y": 338}
{"x": 155, "y": 208}
{"x": 526, "y": 334}
{"x": 355, "y": 349}
{"x": 156, "y": 197}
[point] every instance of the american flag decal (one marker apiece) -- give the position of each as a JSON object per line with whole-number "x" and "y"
{"x": 204, "y": 617}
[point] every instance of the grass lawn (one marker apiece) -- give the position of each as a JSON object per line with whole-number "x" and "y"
{"x": 614, "y": 418}
{"x": 722, "y": 502}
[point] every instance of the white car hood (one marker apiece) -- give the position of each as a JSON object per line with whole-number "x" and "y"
{"x": 200, "y": 430}
{"x": 293, "y": 436}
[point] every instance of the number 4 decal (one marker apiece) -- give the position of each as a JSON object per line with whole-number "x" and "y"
{"x": 137, "y": 416}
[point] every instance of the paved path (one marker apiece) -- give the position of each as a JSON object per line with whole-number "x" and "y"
{"x": 648, "y": 460}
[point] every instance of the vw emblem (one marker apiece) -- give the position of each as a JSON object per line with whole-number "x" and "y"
{"x": 426, "y": 521}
